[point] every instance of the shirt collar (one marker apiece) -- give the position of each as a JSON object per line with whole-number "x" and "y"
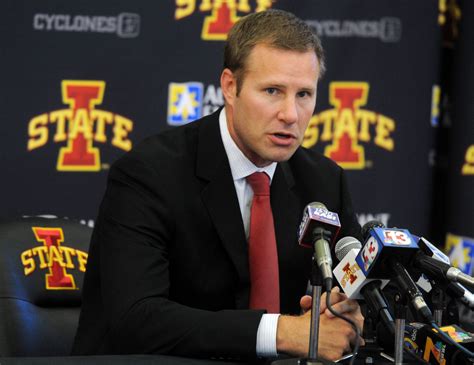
{"x": 240, "y": 165}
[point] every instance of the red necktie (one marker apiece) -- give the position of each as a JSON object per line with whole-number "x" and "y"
{"x": 263, "y": 257}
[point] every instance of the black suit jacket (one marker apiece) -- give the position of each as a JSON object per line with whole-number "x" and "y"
{"x": 168, "y": 266}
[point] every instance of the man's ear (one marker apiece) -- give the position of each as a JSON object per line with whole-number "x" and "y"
{"x": 228, "y": 86}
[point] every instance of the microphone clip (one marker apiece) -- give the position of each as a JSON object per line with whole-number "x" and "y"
{"x": 319, "y": 233}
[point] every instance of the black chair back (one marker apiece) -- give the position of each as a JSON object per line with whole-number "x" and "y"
{"x": 42, "y": 265}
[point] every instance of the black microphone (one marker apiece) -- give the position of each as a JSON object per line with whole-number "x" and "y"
{"x": 385, "y": 252}
{"x": 428, "y": 344}
{"x": 365, "y": 230}
{"x": 453, "y": 289}
{"x": 356, "y": 286}
{"x": 318, "y": 227}
{"x": 437, "y": 269}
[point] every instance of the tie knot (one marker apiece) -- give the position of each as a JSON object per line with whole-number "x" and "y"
{"x": 260, "y": 183}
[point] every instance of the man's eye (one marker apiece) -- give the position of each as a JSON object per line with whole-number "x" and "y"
{"x": 303, "y": 94}
{"x": 271, "y": 91}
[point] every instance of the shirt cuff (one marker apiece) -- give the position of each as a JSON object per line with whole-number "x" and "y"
{"x": 266, "y": 336}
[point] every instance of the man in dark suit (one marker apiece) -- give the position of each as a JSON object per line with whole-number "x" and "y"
{"x": 171, "y": 266}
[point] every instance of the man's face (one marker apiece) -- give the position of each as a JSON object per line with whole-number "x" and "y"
{"x": 268, "y": 118}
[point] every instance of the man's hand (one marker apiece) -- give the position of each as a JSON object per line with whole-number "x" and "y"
{"x": 336, "y": 297}
{"x": 335, "y": 335}
{"x": 339, "y": 302}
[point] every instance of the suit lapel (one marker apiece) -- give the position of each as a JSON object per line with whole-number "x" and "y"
{"x": 220, "y": 199}
{"x": 285, "y": 209}
{"x": 293, "y": 260}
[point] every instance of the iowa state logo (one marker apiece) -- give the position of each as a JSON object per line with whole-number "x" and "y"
{"x": 468, "y": 166}
{"x": 223, "y": 14}
{"x": 349, "y": 274}
{"x": 54, "y": 257}
{"x": 81, "y": 125}
{"x": 347, "y": 125}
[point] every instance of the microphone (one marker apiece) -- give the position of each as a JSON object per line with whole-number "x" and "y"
{"x": 384, "y": 255}
{"x": 385, "y": 340}
{"x": 456, "y": 290}
{"x": 453, "y": 289}
{"x": 428, "y": 344}
{"x": 318, "y": 227}
{"x": 356, "y": 285}
{"x": 427, "y": 260}
{"x": 467, "y": 298}
{"x": 365, "y": 230}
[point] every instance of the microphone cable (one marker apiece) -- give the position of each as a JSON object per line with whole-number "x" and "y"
{"x": 358, "y": 335}
{"x": 351, "y": 322}
{"x": 413, "y": 355}
{"x": 450, "y": 340}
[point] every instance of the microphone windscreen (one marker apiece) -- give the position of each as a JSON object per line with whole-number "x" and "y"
{"x": 344, "y": 245}
{"x": 368, "y": 226}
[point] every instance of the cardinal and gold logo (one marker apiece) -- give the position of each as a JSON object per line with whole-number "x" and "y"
{"x": 349, "y": 274}
{"x": 81, "y": 126}
{"x": 348, "y": 125}
{"x": 56, "y": 258}
{"x": 468, "y": 166}
{"x": 223, "y": 14}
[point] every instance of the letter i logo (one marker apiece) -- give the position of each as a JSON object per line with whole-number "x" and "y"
{"x": 82, "y": 97}
{"x": 58, "y": 278}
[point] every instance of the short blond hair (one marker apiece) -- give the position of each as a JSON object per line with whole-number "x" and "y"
{"x": 275, "y": 28}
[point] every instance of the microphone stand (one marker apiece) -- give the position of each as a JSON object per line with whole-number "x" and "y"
{"x": 439, "y": 302}
{"x": 401, "y": 307}
{"x": 316, "y": 288}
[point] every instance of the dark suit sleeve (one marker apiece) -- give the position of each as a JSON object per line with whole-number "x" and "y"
{"x": 134, "y": 231}
{"x": 349, "y": 224}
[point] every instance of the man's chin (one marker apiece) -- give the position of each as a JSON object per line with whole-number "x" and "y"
{"x": 281, "y": 157}
{"x": 285, "y": 154}
{"x": 269, "y": 156}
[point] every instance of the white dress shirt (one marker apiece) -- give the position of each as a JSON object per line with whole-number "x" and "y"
{"x": 241, "y": 167}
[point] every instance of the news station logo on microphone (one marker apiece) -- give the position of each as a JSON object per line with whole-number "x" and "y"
{"x": 348, "y": 272}
{"x": 434, "y": 348}
{"x": 369, "y": 253}
{"x": 349, "y": 276}
{"x": 315, "y": 214}
{"x": 383, "y": 244}
{"x": 397, "y": 237}
{"x": 224, "y": 14}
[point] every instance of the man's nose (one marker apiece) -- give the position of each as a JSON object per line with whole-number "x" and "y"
{"x": 288, "y": 110}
